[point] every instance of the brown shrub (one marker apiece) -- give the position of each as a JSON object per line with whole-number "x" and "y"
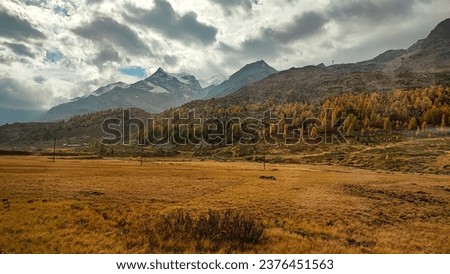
{"x": 227, "y": 231}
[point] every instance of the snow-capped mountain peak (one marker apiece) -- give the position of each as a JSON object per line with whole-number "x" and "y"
{"x": 174, "y": 81}
{"x": 160, "y": 91}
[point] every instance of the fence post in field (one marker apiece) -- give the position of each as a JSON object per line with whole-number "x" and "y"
{"x": 54, "y": 149}
{"x": 142, "y": 154}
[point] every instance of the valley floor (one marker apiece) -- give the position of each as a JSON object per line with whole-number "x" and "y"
{"x": 107, "y": 206}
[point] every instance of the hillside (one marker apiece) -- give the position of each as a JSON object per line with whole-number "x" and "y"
{"x": 397, "y": 111}
{"x": 78, "y": 130}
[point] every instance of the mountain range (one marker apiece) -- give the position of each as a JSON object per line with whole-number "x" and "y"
{"x": 425, "y": 63}
{"x": 160, "y": 91}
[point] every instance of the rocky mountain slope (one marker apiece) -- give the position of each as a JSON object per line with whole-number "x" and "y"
{"x": 249, "y": 74}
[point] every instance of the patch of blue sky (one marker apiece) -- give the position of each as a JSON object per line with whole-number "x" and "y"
{"x": 53, "y": 56}
{"x": 135, "y": 71}
{"x": 61, "y": 11}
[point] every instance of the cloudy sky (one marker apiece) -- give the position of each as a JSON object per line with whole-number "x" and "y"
{"x": 53, "y": 50}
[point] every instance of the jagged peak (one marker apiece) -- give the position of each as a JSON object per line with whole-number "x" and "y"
{"x": 443, "y": 26}
{"x": 165, "y": 79}
{"x": 257, "y": 64}
{"x": 260, "y": 63}
{"x": 160, "y": 70}
{"x": 441, "y": 31}
{"x": 439, "y": 36}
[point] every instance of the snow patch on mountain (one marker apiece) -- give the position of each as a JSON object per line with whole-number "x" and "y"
{"x": 158, "y": 89}
{"x": 213, "y": 81}
{"x": 108, "y": 88}
{"x": 181, "y": 77}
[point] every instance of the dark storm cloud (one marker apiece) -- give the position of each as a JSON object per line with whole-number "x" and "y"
{"x": 171, "y": 60}
{"x": 308, "y": 24}
{"x": 274, "y": 42}
{"x": 108, "y": 54}
{"x": 362, "y": 17}
{"x": 34, "y": 2}
{"x": 20, "y": 49}
{"x": 39, "y": 79}
{"x": 260, "y": 48}
{"x": 106, "y": 31}
{"x": 228, "y": 5}
{"x": 94, "y": 2}
{"x": 164, "y": 19}
{"x": 14, "y": 27}
{"x": 15, "y": 94}
{"x": 369, "y": 10}
{"x": 224, "y": 47}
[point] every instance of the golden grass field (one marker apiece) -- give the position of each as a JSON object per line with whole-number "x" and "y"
{"x": 107, "y": 206}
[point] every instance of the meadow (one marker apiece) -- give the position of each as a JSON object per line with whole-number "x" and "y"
{"x": 117, "y": 206}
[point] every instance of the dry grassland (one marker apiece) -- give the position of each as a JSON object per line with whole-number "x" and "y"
{"x": 116, "y": 206}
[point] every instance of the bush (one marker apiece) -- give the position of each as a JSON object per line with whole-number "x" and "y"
{"x": 208, "y": 232}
